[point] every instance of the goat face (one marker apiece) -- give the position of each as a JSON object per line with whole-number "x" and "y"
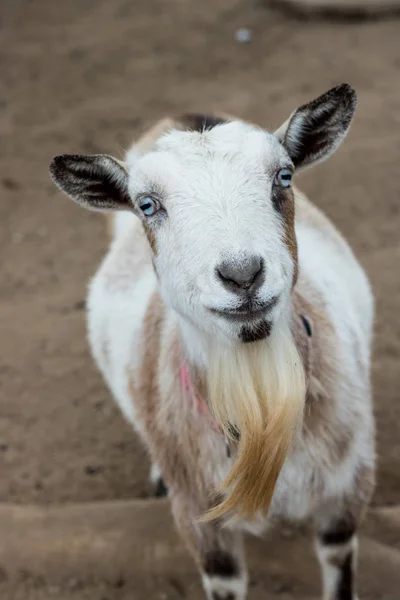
{"x": 218, "y": 210}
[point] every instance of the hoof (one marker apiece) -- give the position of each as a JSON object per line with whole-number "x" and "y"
{"x": 161, "y": 490}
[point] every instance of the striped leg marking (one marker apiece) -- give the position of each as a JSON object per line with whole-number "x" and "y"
{"x": 222, "y": 577}
{"x": 337, "y": 553}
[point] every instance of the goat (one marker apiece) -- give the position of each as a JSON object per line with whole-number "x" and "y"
{"x": 233, "y": 324}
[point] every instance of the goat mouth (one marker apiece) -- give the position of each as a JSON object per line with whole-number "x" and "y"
{"x": 248, "y": 312}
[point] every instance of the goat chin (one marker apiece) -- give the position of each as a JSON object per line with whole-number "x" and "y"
{"x": 260, "y": 389}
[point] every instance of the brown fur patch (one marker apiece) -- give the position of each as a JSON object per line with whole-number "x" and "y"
{"x": 310, "y": 215}
{"x": 284, "y": 203}
{"x": 322, "y": 410}
{"x": 319, "y": 354}
{"x": 151, "y": 236}
{"x": 160, "y": 410}
{"x": 200, "y": 122}
{"x": 180, "y": 442}
{"x": 288, "y": 215}
{"x": 365, "y": 483}
{"x": 145, "y": 390}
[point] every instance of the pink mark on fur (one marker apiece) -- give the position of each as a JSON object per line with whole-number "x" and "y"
{"x": 187, "y": 385}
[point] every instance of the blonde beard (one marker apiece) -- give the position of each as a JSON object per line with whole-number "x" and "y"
{"x": 258, "y": 388}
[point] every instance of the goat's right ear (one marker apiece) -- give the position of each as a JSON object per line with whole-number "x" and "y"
{"x": 315, "y": 130}
{"x": 97, "y": 182}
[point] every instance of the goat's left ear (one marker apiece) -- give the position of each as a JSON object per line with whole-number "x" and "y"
{"x": 97, "y": 182}
{"x": 315, "y": 130}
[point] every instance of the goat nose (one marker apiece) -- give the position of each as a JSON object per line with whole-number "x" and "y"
{"x": 244, "y": 275}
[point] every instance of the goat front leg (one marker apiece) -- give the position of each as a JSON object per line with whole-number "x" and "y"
{"x": 217, "y": 551}
{"x": 337, "y": 549}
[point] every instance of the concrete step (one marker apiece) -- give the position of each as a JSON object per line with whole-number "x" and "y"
{"x": 121, "y": 549}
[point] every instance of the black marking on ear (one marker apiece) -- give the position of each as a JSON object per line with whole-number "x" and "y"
{"x": 341, "y": 533}
{"x": 96, "y": 182}
{"x": 255, "y": 333}
{"x": 345, "y": 589}
{"x": 316, "y": 129}
{"x": 220, "y": 564}
{"x": 200, "y": 122}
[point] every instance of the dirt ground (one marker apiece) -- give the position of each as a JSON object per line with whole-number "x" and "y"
{"x": 87, "y": 76}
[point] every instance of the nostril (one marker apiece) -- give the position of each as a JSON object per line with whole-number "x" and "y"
{"x": 225, "y": 276}
{"x": 243, "y": 274}
{"x": 225, "y": 279}
{"x": 257, "y": 272}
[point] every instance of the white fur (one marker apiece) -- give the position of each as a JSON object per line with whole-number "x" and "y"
{"x": 155, "y": 474}
{"x": 330, "y": 572}
{"x": 224, "y": 586}
{"x": 216, "y": 188}
{"x": 116, "y": 306}
{"x": 204, "y": 194}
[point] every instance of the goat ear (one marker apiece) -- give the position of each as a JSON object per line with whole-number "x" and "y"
{"x": 96, "y": 182}
{"x": 315, "y": 130}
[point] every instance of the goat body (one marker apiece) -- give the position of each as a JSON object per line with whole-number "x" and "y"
{"x": 141, "y": 342}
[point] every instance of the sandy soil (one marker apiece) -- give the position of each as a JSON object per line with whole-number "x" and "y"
{"x": 88, "y": 76}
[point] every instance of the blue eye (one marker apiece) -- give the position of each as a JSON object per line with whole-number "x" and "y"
{"x": 284, "y": 178}
{"x": 149, "y": 206}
